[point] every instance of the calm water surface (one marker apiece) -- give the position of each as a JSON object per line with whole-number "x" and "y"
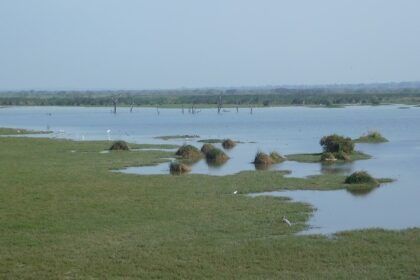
{"x": 286, "y": 130}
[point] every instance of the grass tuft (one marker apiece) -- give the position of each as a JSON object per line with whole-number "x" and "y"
{"x": 178, "y": 168}
{"x": 119, "y": 146}
{"x": 216, "y": 156}
{"x": 361, "y": 177}
{"x": 189, "y": 152}
{"x": 228, "y": 144}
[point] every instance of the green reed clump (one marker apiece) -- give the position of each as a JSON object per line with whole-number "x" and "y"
{"x": 119, "y": 146}
{"x": 361, "y": 177}
{"x": 189, "y": 152}
{"x": 216, "y": 156}
{"x": 228, "y": 144}
{"x": 178, "y": 168}
{"x": 207, "y": 148}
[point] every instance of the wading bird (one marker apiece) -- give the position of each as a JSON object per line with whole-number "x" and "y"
{"x": 287, "y": 221}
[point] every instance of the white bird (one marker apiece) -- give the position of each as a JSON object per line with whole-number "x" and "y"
{"x": 109, "y": 136}
{"x": 287, "y": 221}
{"x": 235, "y": 192}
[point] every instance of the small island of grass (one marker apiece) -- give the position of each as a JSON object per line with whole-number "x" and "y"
{"x": 371, "y": 137}
{"x": 228, "y": 144}
{"x": 265, "y": 159}
{"x": 361, "y": 182}
{"x": 18, "y": 131}
{"x": 214, "y": 155}
{"x": 178, "y": 168}
{"x": 189, "y": 152}
{"x": 335, "y": 148}
{"x": 174, "y": 137}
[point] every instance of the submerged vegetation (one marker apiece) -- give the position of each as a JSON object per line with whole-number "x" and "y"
{"x": 189, "y": 152}
{"x": 119, "y": 146}
{"x": 178, "y": 168}
{"x": 371, "y": 137}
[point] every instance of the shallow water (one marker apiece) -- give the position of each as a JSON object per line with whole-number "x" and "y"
{"x": 286, "y": 130}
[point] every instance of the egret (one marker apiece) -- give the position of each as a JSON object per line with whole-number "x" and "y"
{"x": 108, "y": 132}
{"x": 287, "y": 221}
{"x": 235, "y": 192}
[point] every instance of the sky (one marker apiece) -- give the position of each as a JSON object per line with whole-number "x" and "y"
{"x": 160, "y": 44}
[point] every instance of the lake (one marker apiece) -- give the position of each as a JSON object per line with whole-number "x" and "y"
{"x": 284, "y": 129}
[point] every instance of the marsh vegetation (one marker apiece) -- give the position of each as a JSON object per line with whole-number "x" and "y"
{"x": 371, "y": 137}
{"x": 119, "y": 146}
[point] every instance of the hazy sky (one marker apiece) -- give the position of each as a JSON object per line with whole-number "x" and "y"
{"x": 135, "y": 44}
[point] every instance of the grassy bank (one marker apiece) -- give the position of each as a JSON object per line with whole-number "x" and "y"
{"x": 65, "y": 216}
{"x": 17, "y": 131}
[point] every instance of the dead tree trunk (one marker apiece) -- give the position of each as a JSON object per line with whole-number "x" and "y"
{"x": 114, "y": 103}
{"x": 132, "y": 106}
{"x": 219, "y": 104}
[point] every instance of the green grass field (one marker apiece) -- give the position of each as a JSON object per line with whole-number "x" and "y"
{"x": 64, "y": 215}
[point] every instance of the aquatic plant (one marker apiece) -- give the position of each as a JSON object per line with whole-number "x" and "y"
{"x": 228, "y": 144}
{"x": 216, "y": 156}
{"x": 189, "y": 152}
{"x": 335, "y": 143}
{"x": 206, "y": 148}
{"x": 263, "y": 159}
{"x": 371, "y": 137}
{"x": 177, "y": 168}
{"x": 361, "y": 177}
{"x": 119, "y": 146}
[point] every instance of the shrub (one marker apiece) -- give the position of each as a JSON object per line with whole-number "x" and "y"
{"x": 188, "y": 152}
{"x": 228, "y": 144}
{"x": 216, "y": 156}
{"x": 328, "y": 157}
{"x": 119, "y": 146}
{"x": 263, "y": 159}
{"x": 207, "y": 148}
{"x": 342, "y": 156}
{"x": 336, "y": 143}
{"x": 361, "y": 177}
{"x": 178, "y": 168}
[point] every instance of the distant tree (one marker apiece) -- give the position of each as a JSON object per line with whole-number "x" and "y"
{"x": 335, "y": 143}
